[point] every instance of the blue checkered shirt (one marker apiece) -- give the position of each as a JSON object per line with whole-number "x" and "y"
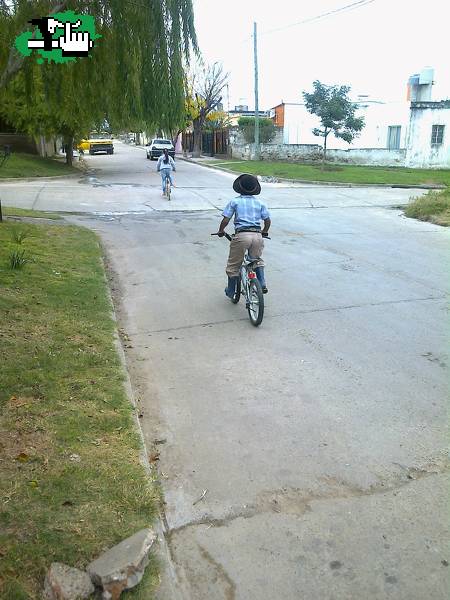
{"x": 248, "y": 211}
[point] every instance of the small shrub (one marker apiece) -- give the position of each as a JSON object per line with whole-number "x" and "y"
{"x": 267, "y": 129}
{"x": 17, "y": 259}
{"x": 433, "y": 207}
{"x": 18, "y": 235}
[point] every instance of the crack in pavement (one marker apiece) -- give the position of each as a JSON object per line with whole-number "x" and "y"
{"x": 333, "y": 206}
{"x": 297, "y": 502}
{"x": 37, "y": 196}
{"x": 317, "y": 241}
{"x": 289, "y": 314}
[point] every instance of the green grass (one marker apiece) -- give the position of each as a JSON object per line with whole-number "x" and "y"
{"x": 62, "y": 394}
{"x": 9, "y": 211}
{"x": 434, "y": 207}
{"x": 29, "y": 165}
{"x": 339, "y": 173}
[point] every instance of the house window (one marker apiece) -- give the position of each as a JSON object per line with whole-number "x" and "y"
{"x": 437, "y": 135}
{"x": 393, "y": 141}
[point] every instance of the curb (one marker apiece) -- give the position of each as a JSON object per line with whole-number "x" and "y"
{"x": 412, "y": 186}
{"x": 163, "y": 550}
{"x": 215, "y": 167}
{"x": 45, "y": 178}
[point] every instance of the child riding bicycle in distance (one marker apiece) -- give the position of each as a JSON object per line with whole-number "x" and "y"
{"x": 165, "y": 165}
{"x": 248, "y": 213}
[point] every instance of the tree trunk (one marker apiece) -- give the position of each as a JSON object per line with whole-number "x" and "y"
{"x": 324, "y": 156}
{"x": 68, "y": 143}
{"x": 213, "y": 144}
{"x": 197, "y": 139}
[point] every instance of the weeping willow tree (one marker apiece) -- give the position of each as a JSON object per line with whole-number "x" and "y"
{"x": 133, "y": 79}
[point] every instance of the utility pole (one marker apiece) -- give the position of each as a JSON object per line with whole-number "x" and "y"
{"x": 255, "y": 47}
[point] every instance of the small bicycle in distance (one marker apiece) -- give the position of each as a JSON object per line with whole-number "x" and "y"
{"x": 249, "y": 286}
{"x": 167, "y": 187}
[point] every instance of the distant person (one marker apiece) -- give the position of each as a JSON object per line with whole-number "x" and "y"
{"x": 248, "y": 213}
{"x": 165, "y": 166}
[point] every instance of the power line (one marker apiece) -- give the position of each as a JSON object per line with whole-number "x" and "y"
{"x": 354, "y": 5}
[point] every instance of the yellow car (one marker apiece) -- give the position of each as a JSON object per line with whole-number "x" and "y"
{"x": 97, "y": 142}
{"x": 83, "y": 145}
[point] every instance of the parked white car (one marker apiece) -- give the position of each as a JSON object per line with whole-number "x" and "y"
{"x": 155, "y": 148}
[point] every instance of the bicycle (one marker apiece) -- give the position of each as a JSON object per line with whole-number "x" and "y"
{"x": 249, "y": 286}
{"x": 167, "y": 186}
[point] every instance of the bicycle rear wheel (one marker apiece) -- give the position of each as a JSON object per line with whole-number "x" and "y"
{"x": 255, "y": 302}
{"x": 168, "y": 188}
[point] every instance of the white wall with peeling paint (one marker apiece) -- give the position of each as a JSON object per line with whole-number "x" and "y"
{"x": 421, "y": 152}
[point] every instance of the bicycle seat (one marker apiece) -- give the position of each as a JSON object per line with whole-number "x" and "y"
{"x": 248, "y": 260}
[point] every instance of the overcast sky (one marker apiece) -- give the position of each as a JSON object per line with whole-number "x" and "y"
{"x": 373, "y": 48}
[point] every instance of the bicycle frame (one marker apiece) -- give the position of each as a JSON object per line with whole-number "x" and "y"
{"x": 247, "y": 274}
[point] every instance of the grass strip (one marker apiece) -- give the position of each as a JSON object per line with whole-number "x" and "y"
{"x": 433, "y": 207}
{"x": 9, "y": 211}
{"x": 29, "y": 165}
{"x": 339, "y": 173}
{"x": 71, "y": 484}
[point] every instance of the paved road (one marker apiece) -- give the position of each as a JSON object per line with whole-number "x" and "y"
{"x": 321, "y": 437}
{"x": 127, "y": 182}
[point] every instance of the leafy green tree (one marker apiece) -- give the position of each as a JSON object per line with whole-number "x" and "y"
{"x": 267, "y": 129}
{"x": 336, "y": 113}
{"x": 133, "y": 79}
{"x": 217, "y": 119}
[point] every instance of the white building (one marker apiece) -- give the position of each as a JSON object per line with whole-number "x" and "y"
{"x": 428, "y": 142}
{"x": 386, "y": 125}
{"x": 415, "y": 132}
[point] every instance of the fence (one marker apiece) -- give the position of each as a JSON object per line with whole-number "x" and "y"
{"x": 213, "y": 142}
{"x": 18, "y": 142}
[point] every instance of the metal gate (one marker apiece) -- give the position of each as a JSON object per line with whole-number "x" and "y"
{"x": 213, "y": 142}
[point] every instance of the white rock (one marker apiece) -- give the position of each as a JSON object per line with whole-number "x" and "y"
{"x": 122, "y": 567}
{"x": 66, "y": 583}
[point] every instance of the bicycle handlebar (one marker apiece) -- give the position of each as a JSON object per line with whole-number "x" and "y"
{"x": 228, "y": 236}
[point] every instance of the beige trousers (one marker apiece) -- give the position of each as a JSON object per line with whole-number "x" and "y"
{"x": 240, "y": 242}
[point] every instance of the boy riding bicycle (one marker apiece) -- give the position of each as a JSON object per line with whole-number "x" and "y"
{"x": 165, "y": 166}
{"x": 248, "y": 213}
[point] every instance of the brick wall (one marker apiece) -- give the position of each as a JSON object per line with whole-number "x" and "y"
{"x": 286, "y": 152}
{"x": 313, "y": 153}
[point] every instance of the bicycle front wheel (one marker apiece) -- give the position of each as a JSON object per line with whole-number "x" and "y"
{"x": 255, "y": 302}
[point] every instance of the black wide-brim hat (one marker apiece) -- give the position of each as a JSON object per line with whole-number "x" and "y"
{"x": 247, "y": 185}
